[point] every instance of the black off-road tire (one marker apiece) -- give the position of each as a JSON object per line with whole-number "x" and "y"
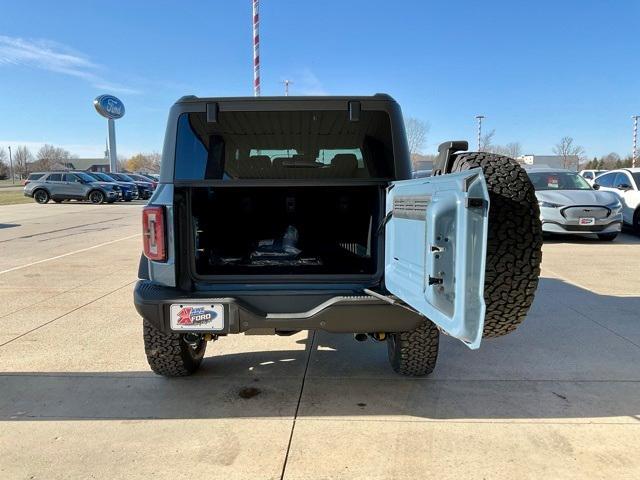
{"x": 607, "y": 237}
{"x": 168, "y": 354}
{"x": 514, "y": 243}
{"x": 414, "y": 353}
{"x": 636, "y": 221}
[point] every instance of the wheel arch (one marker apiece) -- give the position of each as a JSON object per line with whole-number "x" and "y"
{"x": 33, "y": 192}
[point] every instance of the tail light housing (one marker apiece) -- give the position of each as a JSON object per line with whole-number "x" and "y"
{"x": 153, "y": 233}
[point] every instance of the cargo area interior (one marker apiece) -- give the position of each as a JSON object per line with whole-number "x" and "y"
{"x": 292, "y": 230}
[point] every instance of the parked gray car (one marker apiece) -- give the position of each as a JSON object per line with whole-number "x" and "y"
{"x": 568, "y": 204}
{"x": 59, "y": 186}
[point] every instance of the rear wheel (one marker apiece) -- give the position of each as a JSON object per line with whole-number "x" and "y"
{"x": 41, "y": 196}
{"x": 514, "y": 242}
{"x": 96, "y": 196}
{"x": 608, "y": 237}
{"x": 169, "y": 354}
{"x": 414, "y": 353}
{"x": 636, "y": 221}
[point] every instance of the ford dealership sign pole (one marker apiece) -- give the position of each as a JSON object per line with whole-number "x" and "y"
{"x": 111, "y": 108}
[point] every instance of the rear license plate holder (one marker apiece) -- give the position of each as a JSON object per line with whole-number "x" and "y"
{"x": 204, "y": 317}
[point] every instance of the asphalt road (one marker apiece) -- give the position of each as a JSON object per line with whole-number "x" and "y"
{"x": 560, "y": 398}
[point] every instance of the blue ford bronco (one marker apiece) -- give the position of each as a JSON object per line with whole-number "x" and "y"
{"x": 280, "y": 214}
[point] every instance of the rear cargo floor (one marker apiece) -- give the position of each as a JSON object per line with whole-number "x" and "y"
{"x": 286, "y": 230}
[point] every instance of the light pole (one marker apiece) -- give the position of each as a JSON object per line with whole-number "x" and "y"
{"x": 635, "y": 140}
{"x": 479, "y": 118}
{"x": 13, "y": 179}
{"x": 286, "y": 87}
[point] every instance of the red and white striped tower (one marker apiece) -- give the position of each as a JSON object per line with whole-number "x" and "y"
{"x": 635, "y": 140}
{"x": 256, "y": 50}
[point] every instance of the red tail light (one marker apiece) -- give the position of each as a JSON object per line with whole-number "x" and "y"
{"x": 153, "y": 233}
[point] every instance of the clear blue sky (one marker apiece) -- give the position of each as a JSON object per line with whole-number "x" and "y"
{"x": 538, "y": 70}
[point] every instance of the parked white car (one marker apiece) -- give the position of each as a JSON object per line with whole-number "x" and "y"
{"x": 590, "y": 175}
{"x": 625, "y": 183}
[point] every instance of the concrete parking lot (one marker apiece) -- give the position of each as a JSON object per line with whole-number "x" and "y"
{"x": 560, "y": 398}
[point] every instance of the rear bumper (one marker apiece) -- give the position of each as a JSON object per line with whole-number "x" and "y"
{"x": 338, "y": 313}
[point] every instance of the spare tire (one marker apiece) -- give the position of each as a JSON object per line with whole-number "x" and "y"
{"x": 514, "y": 242}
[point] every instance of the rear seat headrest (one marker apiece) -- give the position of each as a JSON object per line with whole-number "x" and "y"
{"x": 259, "y": 161}
{"x": 279, "y": 161}
{"x": 346, "y": 161}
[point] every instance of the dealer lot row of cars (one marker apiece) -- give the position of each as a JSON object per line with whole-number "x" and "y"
{"x": 590, "y": 202}
{"x": 96, "y": 187}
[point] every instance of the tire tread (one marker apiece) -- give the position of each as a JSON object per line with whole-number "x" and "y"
{"x": 514, "y": 243}
{"x": 168, "y": 354}
{"x": 415, "y": 352}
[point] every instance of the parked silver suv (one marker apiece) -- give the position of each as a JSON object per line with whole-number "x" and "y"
{"x": 59, "y": 186}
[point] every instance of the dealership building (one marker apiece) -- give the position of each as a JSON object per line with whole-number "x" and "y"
{"x": 554, "y": 161}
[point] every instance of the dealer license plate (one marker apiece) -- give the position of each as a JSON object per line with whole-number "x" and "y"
{"x": 197, "y": 316}
{"x": 587, "y": 221}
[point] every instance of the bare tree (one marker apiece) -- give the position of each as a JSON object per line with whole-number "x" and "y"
{"x": 513, "y": 149}
{"x": 22, "y": 161}
{"x": 567, "y": 149}
{"x": 4, "y": 167}
{"x": 486, "y": 141}
{"x": 155, "y": 159}
{"x": 416, "y": 134}
{"x": 611, "y": 160}
{"x": 48, "y": 155}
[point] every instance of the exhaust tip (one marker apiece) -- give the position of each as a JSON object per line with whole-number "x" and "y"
{"x": 360, "y": 337}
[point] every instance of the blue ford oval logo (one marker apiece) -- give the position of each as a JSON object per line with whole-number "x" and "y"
{"x": 109, "y": 106}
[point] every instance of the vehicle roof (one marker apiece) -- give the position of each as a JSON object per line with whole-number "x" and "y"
{"x": 290, "y": 98}
{"x": 629, "y": 170}
{"x": 542, "y": 168}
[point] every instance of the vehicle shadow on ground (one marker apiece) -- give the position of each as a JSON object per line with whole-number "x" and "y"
{"x": 9, "y": 225}
{"x": 575, "y": 358}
